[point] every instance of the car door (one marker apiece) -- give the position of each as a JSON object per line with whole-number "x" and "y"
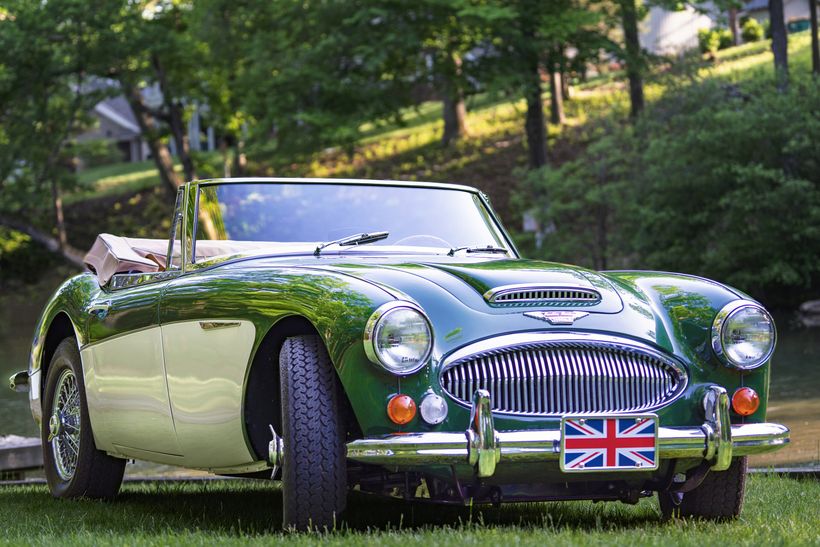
{"x": 124, "y": 365}
{"x": 125, "y": 372}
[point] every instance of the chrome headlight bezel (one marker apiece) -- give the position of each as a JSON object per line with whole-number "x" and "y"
{"x": 371, "y": 330}
{"x": 722, "y": 319}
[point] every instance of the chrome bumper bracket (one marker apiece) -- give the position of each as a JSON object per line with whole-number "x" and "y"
{"x": 716, "y": 441}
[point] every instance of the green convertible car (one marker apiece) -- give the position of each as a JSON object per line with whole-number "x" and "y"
{"x": 387, "y": 337}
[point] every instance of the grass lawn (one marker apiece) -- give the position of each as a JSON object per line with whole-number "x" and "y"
{"x": 778, "y": 510}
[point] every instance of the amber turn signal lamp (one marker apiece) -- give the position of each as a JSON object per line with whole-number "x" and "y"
{"x": 745, "y": 401}
{"x": 401, "y": 409}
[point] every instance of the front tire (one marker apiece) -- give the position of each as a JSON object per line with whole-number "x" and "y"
{"x": 314, "y": 467}
{"x": 74, "y": 467}
{"x": 719, "y": 497}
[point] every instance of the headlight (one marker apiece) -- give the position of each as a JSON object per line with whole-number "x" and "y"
{"x": 398, "y": 337}
{"x": 743, "y": 335}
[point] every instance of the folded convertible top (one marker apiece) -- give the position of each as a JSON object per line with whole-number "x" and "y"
{"x": 112, "y": 254}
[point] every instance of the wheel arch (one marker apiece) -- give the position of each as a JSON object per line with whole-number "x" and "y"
{"x": 261, "y": 406}
{"x": 60, "y": 328}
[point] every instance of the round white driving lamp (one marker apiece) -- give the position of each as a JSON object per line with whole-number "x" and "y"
{"x": 398, "y": 337}
{"x": 743, "y": 335}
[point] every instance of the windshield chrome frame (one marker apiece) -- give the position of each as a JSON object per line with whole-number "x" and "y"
{"x": 192, "y": 210}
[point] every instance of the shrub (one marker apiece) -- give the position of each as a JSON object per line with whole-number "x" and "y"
{"x": 98, "y": 152}
{"x": 751, "y": 30}
{"x": 708, "y": 40}
{"x": 725, "y": 38}
{"x": 711, "y": 40}
{"x": 714, "y": 180}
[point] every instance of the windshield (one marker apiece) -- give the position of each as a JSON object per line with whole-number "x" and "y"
{"x": 252, "y": 217}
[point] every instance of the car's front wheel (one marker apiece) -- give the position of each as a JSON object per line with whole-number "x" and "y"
{"x": 74, "y": 467}
{"x": 719, "y": 496}
{"x": 314, "y": 466}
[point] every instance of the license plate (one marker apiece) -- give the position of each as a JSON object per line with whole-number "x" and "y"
{"x": 611, "y": 443}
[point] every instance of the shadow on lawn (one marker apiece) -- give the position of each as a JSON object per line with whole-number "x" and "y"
{"x": 255, "y": 508}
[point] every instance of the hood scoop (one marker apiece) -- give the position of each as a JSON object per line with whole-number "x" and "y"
{"x": 541, "y": 295}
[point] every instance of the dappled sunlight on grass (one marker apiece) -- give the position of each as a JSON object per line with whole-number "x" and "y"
{"x": 250, "y": 511}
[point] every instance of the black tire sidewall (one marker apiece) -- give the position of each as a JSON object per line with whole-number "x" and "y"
{"x": 314, "y": 478}
{"x": 67, "y": 356}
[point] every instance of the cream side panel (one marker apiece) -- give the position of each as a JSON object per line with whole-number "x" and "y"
{"x": 206, "y": 362}
{"x": 127, "y": 395}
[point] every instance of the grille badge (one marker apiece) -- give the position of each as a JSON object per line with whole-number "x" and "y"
{"x": 560, "y": 317}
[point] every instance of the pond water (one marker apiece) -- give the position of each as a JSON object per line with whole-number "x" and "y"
{"x": 794, "y": 398}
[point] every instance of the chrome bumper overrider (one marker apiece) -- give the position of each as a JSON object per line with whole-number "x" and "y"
{"x": 481, "y": 446}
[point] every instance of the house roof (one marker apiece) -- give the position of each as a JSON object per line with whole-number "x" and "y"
{"x": 756, "y": 5}
{"x": 118, "y": 111}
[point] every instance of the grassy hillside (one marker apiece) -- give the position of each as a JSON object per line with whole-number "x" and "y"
{"x": 488, "y": 159}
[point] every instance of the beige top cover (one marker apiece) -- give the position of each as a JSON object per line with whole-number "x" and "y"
{"x": 112, "y": 254}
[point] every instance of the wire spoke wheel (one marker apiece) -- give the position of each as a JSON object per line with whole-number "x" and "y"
{"x": 64, "y": 425}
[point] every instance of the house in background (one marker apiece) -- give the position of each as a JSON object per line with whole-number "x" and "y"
{"x": 666, "y": 32}
{"x": 115, "y": 122}
{"x": 796, "y": 13}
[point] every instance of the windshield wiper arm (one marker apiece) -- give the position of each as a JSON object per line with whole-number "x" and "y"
{"x": 355, "y": 239}
{"x": 472, "y": 249}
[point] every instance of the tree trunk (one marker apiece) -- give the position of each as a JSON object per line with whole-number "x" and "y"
{"x": 176, "y": 121}
{"x": 634, "y": 59}
{"x": 733, "y": 26}
{"x": 780, "y": 44}
{"x": 240, "y": 160}
{"x": 74, "y": 256}
{"x": 815, "y": 47}
{"x": 454, "y": 111}
{"x": 564, "y": 75}
{"x": 535, "y": 127}
{"x": 159, "y": 150}
{"x": 556, "y": 90}
{"x": 180, "y": 135}
{"x": 226, "y": 161}
{"x": 455, "y": 118}
{"x": 57, "y": 200}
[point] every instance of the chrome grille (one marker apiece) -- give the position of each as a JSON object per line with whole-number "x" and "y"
{"x": 566, "y": 378}
{"x": 541, "y": 295}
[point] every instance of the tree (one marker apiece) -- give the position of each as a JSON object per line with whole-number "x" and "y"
{"x": 46, "y": 88}
{"x": 780, "y": 44}
{"x": 526, "y": 33}
{"x": 815, "y": 47}
{"x": 635, "y": 63}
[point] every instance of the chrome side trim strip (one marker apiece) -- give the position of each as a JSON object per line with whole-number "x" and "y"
{"x": 212, "y": 325}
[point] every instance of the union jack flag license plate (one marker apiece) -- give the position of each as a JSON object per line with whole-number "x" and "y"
{"x": 612, "y": 443}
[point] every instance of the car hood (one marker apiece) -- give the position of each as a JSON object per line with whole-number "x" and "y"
{"x": 470, "y": 281}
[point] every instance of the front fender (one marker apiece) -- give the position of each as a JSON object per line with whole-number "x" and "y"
{"x": 68, "y": 303}
{"x": 686, "y": 306}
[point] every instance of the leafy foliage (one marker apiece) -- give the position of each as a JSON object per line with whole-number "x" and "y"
{"x": 720, "y": 181}
{"x": 751, "y": 30}
{"x": 714, "y": 39}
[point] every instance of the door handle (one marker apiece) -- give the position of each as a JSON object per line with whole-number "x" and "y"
{"x": 100, "y": 309}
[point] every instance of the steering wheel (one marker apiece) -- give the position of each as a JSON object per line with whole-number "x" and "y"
{"x": 424, "y": 240}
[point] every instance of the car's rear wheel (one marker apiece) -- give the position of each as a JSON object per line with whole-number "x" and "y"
{"x": 314, "y": 468}
{"x": 74, "y": 467}
{"x": 718, "y": 497}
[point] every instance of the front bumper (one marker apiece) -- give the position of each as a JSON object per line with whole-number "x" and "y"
{"x": 715, "y": 441}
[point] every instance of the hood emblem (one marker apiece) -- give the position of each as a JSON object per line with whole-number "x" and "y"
{"x": 560, "y": 317}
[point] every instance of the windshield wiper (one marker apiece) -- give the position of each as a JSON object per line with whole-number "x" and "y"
{"x": 472, "y": 249}
{"x": 355, "y": 239}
